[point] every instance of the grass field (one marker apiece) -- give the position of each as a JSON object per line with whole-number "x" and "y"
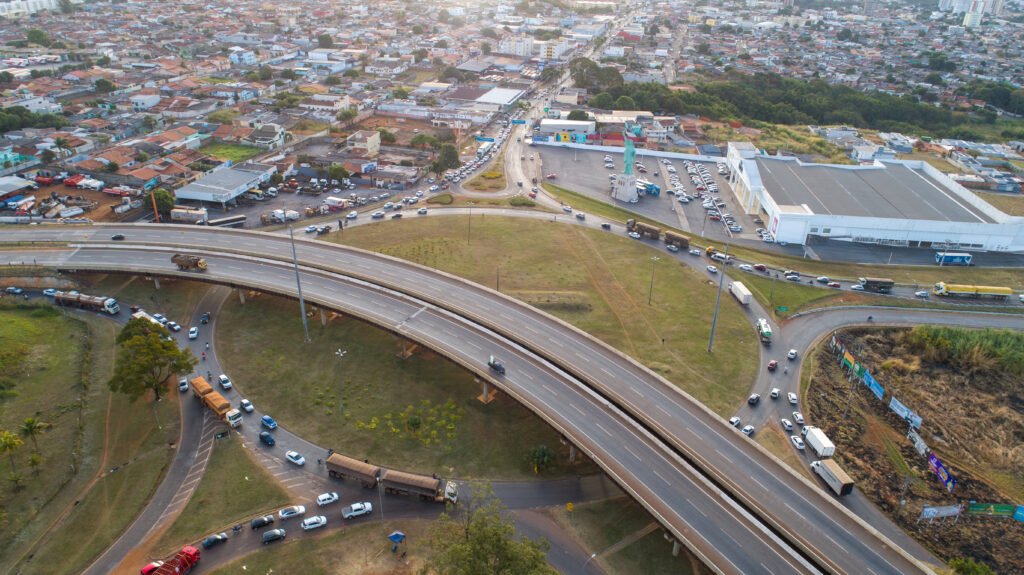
{"x": 589, "y": 205}
{"x": 601, "y": 524}
{"x": 775, "y": 440}
{"x": 350, "y": 551}
{"x": 490, "y": 184}
{"x": 1012, "y": 204}
{"x": 597, "y": 281}
{"x": 128, "y": 438}
{"x": 261, "y": 346}
{"x": 936, "y": 162}
{"x": 234, "y": 152}
{"x": 175, "y": 299}
{"x": 233, "y": 489}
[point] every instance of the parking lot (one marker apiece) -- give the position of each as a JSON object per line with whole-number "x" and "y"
{"x": 584, "y": 172}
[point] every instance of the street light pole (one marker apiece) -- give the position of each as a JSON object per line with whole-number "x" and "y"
{"x": 650, "y": 294}
{"x": 341, "y": 387}
{"x": 298, "y": 284}
{"x": 718, "y": 299}
{"x": 589, "y": 559}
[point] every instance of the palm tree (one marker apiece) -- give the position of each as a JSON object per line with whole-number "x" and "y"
{"x": 32, "y": 428}
{"x": 35, "y": 461}
{"x": 62, "y": 144}
{"x": 10, "y": 442}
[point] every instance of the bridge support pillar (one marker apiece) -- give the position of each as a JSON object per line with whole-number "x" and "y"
{"x": 156, "y": 282}
{"x": 487, "y": 394}
{"x": 572, "y": 453}
{"x": 323, "y": 317}
{"x": 676, "y": 547}
{"x": 241, "y": 296}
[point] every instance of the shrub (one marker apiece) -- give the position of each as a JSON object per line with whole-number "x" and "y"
{"x": 520, "y": 201}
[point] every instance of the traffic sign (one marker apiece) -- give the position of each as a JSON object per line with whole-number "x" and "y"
{"x": 780, "y": 308}
{"x": 545, "y": 110}
{"x": 518, "y": 121}
{"x": 480, "y": 139}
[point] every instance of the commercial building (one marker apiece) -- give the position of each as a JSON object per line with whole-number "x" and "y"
{"x": 226, "y": 183}
{"x": 891, "y": 202}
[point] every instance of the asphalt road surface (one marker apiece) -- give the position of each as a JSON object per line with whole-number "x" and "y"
{"x": 765, "y": 485}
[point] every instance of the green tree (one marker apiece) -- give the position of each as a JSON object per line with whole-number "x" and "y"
{"x": 10, "y": 443}
{"x": 969, "y": 567}
{"x": 289, "y": 74}
{"x": 276, "y": 178}
{"x": 603, "y": 101}
{"x": 103, "y": 61}
{"x": 476, "y": 539}
{"x": 16, "y": 478}
{"x": 150, "y": 123}
{"x": 400, "y": 93}
{"x": 337, "y": 172}
{"x": 351, "y": 73}
{"x": 490, "y": 33}
{"x": 386, "y": 137}
{"x": 449, "y": 157}
{"x": 32, "y": 428}
{"x": 146, "y": 357}
{"x": 347, "y": 115}
{"x": 47, "y": 156}
{"x": 112, "y": 167}
{"x": 444, "y": 16}
{"x": 485, "y": 47}
{"x": 66, "y": 6}
{"x": 845, "y": 35}
{"x": 417, "y": 29}
{"x": 442, "y": 43}
{"x": 104, "y": 86}
{"x": 420, "y": 54}
{"x": 542, "y": 457}
{"x": 37, "y": 36}
{"x": 265, "y": 73}
{"x": 6, "y": 77}
{"x": 703, "y": 48}
{"x": 935, "y": 79}
{"x": 625, "y": 103}
{"x": 578, "y": 116}
{"x": 325, "y": 41}
{"x": 164, "y": 201}
{"x": 420, "y": 140}
{"x": 332, "y": 81}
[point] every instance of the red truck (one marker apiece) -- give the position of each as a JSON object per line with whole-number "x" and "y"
{"x": 72, "y": 181}
{"x": 181, "y": 563}
{"x": 44, "y": 180}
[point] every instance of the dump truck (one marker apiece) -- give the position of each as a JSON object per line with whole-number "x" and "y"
{"x": 837, "y": 479}
{"x": 341, "y": 467}
{"x": 107, "y": 305}
{"x": 182, "y": 562}
{"x": 819, "y": 442}
{"x": 764, "y": 331}
{"x": 188, "y": 262}
{"x": 877, "y": 285}
{"x": 428, "y": 488}
{"x": 741, "y": 293}
{"x": 200, "y": 387}
{"x": 189, "y": 215}
{"x": 222, "y": 409}
{"x": 956, "y": 290}
{"x": 953, "y": 258}
{"x": 678, "y": 240}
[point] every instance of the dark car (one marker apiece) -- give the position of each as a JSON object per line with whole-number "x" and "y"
{"x": 273, "y": 535}
{"x": 117, "y": 237}
{"x": 262, "y": 522}
{"x": 267, "y": 438}
{"x": 606, "y": 226}
{"x": 753, "y": 399}
{"x": 214, "y": 540}
{"x": 396, "y": 216}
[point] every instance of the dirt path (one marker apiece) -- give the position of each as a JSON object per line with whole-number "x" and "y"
{"x": 629, "y": 539}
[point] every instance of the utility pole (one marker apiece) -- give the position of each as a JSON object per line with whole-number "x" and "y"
{"x": 298, "y": 284}
{"x": 469, "y": 223}
{"x": 341, "y": 387}
{"x": 718, "y": 299}
{"x": 650, "y": 294}
{"x": 497, "y": 279}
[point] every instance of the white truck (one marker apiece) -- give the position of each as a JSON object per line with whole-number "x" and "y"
{"x": 837, "y": 479}
{"x": 819, "y": 442}
{"x": 741, "y": 293}
{"x": 334, "y": 202}
{"x": 190, "y": 215}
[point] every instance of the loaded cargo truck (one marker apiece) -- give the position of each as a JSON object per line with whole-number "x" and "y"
{"x": 837, "y": 479}
{"x": 200, "y": 386}
{"x": 955, "y": 290}
{"x": 953, "y": 258}
{"x": 342, "y": 467}
{"x": 428, "y": 488}
{"x": 647, "y": 230}
{"x": 819, "y": 442}
{"x": 188, "y": 262}
{"x": 877, "y": 285}
{"x": 678, "y": 240}
{"x": 222, "y": 409}
{"x": 182, "y": 562}
{"x": 104, "y": 304}
{"x": 334, "y": 202}
{"x": 189, "y": 215}
{"x": 764, "y": 331}
{"x": 741, "y": 293}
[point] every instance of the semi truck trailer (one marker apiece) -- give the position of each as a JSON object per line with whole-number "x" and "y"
{"x": 643, "y": 229}
{"x": 427, "y": 487}
{"x": 741, "y": 293}
{"x": 222, "y": 409}
{"x": 342, "y": 467}
{"x": 680, "y": 241}
{"x": 182, "y": 562}
{"x": 953, "y": 258}
{"x": 837, "y": 479}
{"x": 819, "y": 442}
{"x": 877, "y": 285}
{"x": 107, "y": 305}
{"x": 956, "y": 290}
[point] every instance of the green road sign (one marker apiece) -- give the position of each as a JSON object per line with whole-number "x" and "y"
{"x": 780, "y": 308}
{"x": 545, "y": 109}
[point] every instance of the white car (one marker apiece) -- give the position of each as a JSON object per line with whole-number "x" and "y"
{"x": 694, "y": 252}
{"x": 160, "y": 318}
{"x": 567, "y": 209}
{"x": 50, "y": 292}
{"x": 224, "y": 381}
{"x": 734, "y": 421}
{"x": 712, "y": 269}
{"x": 292, "y": 511}
{"x": 357, "y": 510}
{"x": 173, "y": 326}
{"x": 295, "y": 458}
{"x": 792, "y": 354}
{"x": 786, "y": 424}
{"x": 775, "y": 393}
{"x": 798, "y": 417}
{"x": 310, "y": 229}
{"x": 193, "y": 332}
{"x": 797, "y": 441}
{"x": 635, "y": 235}
{"x": 352, "y": 215}
{"x": 857, "y": 287}
{"x": 748, "y": 430}
{"x": 421, "y": 211}
{"x": 921, "y": 294}
{"x": 791, "y": 397}
{"x": 326, "y": 498}
{"x": 746, "y": 267}
{"x": 314, "y": 522}
{"x": 246, "y": 405}
{"x": 672, "y": 248}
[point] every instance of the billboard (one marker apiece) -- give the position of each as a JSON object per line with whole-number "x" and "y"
{"x": 940, "y": 470}
{"x": 991, "y": 509}
{"x": 859, "y": 370}
{"x": 1019, "y": 513}
{"x": 848, "y": 360}
{"x": 940, "y": 511}
{"x": 877, "y": 389}
{"x": 482, "y": 139}
{"x": 905, "y": 413}
{"x": 919, "y": 443}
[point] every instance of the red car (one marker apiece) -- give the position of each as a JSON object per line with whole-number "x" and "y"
{"x": 715, "y": 218}
{"x": 833, "y": 284}
{"x": 551, "y": 176}
{"x": 772, "y": 365}
{"x": 533, "y": 194}
{"x": 760, "y": 267}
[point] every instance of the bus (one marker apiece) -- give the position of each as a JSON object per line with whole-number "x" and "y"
{"x": 228, "y": 222}
{"x": 484, "y": 148}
